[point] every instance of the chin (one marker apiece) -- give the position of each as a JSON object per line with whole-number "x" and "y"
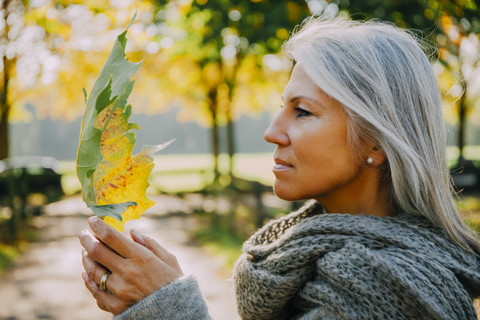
{"x": 286, "y": 195}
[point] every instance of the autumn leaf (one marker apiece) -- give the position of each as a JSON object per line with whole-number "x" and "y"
{"x": 113, "y": 182}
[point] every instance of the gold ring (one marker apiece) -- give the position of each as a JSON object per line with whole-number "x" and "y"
{"x": 103, "y": 282}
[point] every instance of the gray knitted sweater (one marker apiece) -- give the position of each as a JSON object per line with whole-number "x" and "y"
{"x": 310, "y": 265}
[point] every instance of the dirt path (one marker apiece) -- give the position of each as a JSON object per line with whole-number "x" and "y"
{"x": 45, "y": 282}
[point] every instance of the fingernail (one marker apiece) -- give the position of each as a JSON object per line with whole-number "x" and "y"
{"x": 87, "y": 240}
{"x": 92, "y": 220}
{"x": 82, "y": 233}
{"x": 139, "y": 237}
{"x": 84, "y": 276}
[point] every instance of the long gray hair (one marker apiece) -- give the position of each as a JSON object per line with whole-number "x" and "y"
{"x": 387, "y": 86}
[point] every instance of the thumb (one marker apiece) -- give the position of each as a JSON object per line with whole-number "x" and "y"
{"x": 159, "y": 251}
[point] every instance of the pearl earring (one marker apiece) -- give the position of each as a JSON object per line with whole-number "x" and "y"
{"x": 370, "y": 160}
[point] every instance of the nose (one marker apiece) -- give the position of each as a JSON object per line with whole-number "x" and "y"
{"x": 276, "y": 132}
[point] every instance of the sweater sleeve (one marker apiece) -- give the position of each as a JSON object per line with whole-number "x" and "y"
{"x": 180, "y": 300}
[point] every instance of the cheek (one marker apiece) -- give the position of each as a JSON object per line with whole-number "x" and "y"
{"x": 326, "y": 154}
{"x": 320, "y": 147}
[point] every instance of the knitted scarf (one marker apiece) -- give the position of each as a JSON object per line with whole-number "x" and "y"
{"x": 312, "y": 265}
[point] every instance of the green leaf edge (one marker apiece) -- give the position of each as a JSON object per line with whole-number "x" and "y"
{"x": 112, "y": 210}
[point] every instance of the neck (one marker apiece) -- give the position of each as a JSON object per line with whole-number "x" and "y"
{"x": 366, "y": 195}
{"x": 375, "y": 209}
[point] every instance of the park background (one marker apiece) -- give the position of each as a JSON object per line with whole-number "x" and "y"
{"x": 212, "y": 77}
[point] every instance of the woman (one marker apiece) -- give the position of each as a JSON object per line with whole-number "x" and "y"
{"x": 361, "y": 134}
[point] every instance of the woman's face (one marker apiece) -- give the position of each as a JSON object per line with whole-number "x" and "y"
{"x": 313, "y": 159}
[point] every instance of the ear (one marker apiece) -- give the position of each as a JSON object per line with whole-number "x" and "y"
{"x": 377, "y": 154}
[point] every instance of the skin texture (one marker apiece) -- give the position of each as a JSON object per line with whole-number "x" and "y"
{"x": 313, "y": 161}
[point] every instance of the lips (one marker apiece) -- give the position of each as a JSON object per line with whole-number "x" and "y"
{"x": 281, "y": 165}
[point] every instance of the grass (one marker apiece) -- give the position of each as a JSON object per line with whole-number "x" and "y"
{"x": 14, "y": 239}
{"x": 470, "y": 204}
{"x": 7, "y": 255}
{"x": 470, "y": 152}
{"x": 10, "y": 248}
{"x": 220, "y": 241}
{"x": 470, "y": 209}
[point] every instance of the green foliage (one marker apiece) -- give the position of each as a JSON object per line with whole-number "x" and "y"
{"x": 7, "y": 255}
{"x": 474, "y": 223}
{"x": 257, "y": 21}
{"x": 258, "y": 27}
{"x": 469, "y": 206}
{"x": 420, "y": 14}
{"x": 442, "y": 22}
{"x": 217, "y": 236}
{"x": 13, "y": 243}
{"x": 445, "y": 23}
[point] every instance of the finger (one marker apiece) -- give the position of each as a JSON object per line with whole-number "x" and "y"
{"x": 94, "y": 290}
{"x": 150, "y": 244}
{"x": 94, "y": 270}
{"x": 159, "y": 251}
{"x": 105, "y": 300}
{"x": 111, "y": 237}
{"x": 99, "y": 251}
{"x": 137, "y": 237}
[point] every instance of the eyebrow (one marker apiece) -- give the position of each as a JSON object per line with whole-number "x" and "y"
{"x": 294, "y": 99}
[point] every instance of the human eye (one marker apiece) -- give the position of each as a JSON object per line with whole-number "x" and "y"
{"x": 301, "y": 112}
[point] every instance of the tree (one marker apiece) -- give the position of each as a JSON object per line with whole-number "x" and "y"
{"x": 229, "y": 45}
{"x": 53, "y": 48}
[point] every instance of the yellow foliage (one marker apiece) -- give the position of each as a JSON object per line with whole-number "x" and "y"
{"x": 282, "y": 33}
{"x": 166, "y": 77}
{"x": 63, "y": 98}
{"x": 211, "y": 74}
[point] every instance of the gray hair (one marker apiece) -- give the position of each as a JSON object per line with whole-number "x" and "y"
{"x": 386, "y": 84}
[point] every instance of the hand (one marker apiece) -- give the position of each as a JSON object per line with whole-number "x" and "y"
{"x": 138, "y": 268}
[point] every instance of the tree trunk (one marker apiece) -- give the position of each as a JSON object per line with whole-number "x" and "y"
{"x": 231, "y": 80}
{"x": 4, "y": 103}
{"x": 4, "y": 145}
{"x": 214, "y": 131}
{"x": 230, "y": 141}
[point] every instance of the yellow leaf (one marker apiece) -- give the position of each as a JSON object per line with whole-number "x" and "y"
{"x": 113, "y": 183}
